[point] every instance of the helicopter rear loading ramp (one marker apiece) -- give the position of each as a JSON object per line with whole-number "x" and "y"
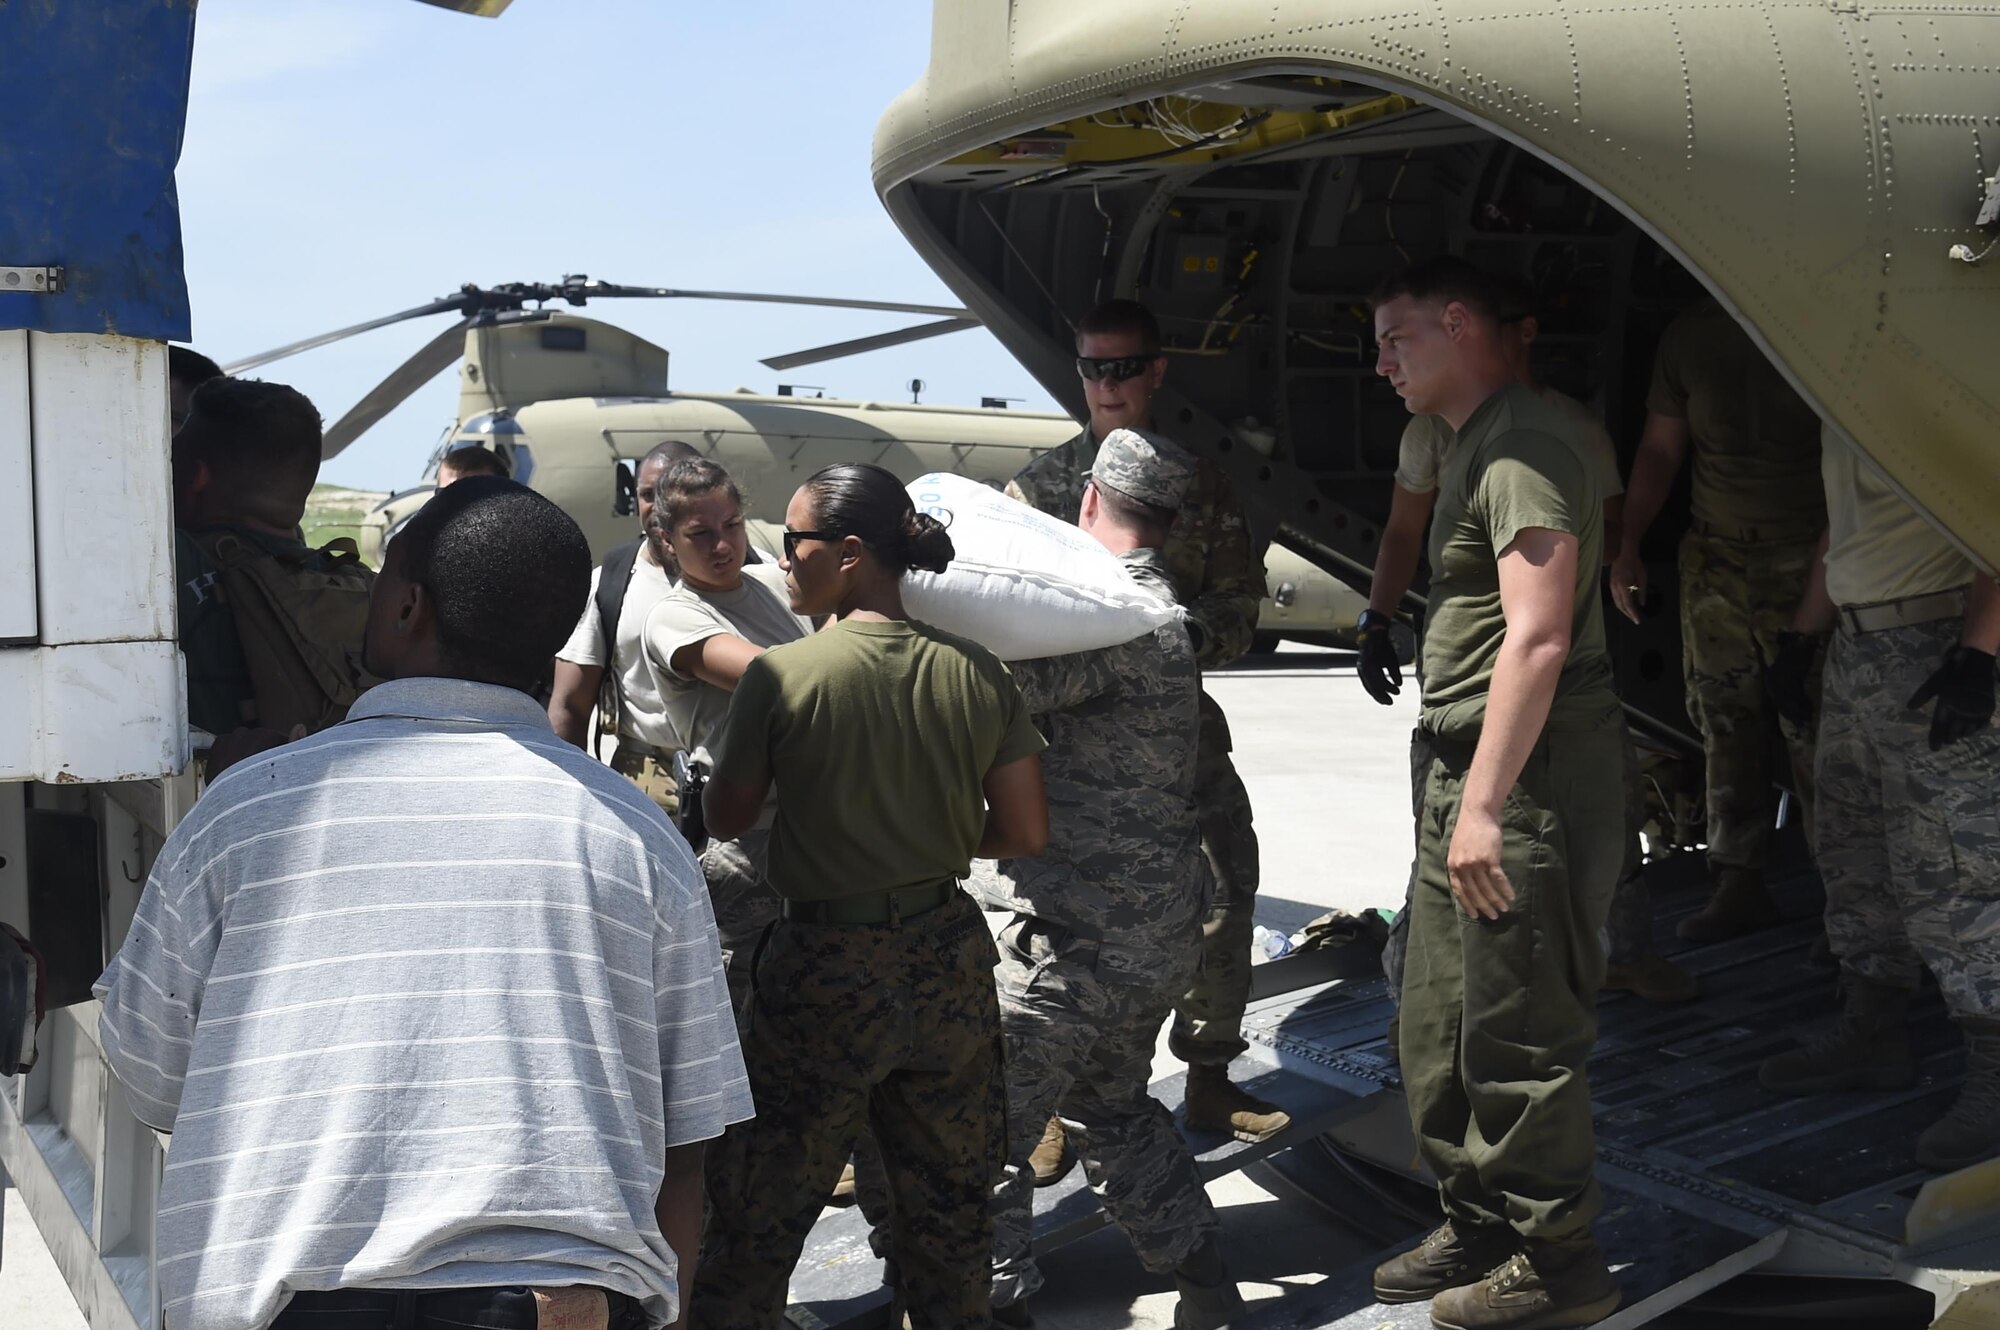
{"x": 1251, "y": 172}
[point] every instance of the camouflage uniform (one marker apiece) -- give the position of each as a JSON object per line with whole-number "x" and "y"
{"x": 1218, "y": 576}
{"x": 1106, "y": 936}
{"x": 1908, "y": 844}
{"x": 891, "y": 1027}
{"x": 744, "y": 903}
{"x": 1736, "y": 597}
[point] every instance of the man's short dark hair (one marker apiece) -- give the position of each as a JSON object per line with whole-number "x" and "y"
{"x": 1122, "y": 317}
{"x": 476, "y": 461}
{"x": 1150, "y": 522}
{"x": 189, "y": 366}
{"x": 666, "y": 454}
{"x": 1443, "y": 280}
{"x": 507, "y": 572}
{"x": 261, "y": 442}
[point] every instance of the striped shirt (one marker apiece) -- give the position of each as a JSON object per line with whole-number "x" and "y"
{"x": 424, "y": 999}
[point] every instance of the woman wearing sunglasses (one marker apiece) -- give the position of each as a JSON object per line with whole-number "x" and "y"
{"x": 899, "y": 753}
{"x": 700, "y": 637}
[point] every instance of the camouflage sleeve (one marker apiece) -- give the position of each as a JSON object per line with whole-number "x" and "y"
{"x": 1223, "y": 614}
{"x": 1059, "y": 683}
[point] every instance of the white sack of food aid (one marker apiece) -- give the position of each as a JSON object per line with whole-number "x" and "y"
{"x": 1022, "y": 584}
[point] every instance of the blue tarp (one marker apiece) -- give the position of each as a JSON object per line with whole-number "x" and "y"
{"x": 93, "y": 99}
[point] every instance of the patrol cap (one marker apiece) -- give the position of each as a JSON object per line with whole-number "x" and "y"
{"x": 1143, "y": 467}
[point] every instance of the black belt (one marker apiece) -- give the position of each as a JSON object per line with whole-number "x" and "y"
{"x": 877, "y": 907}
{"x": 509, "y": 1308}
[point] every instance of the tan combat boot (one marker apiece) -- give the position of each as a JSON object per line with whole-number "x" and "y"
{"x": 843, "y": 1190}
{"x": 1652, "y": 978}
{"x": 1868, "y": 1050}
{"x": 1741, "y": 904}
{"x": 1452, "y": 1256}
{"x": 1051, "y": 1159}
{"x": 1548, "y": 1284}
{"x": 1970, "y": 1132}
{"x": 1215, "y": 1103}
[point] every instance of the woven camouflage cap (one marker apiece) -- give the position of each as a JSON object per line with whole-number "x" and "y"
{"x": 1145, "y": 467}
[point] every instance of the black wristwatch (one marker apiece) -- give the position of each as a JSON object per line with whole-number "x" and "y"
{"x": 1371, "y": 619}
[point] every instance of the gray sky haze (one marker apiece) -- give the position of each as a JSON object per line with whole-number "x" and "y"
{"x": 349, "y": 158}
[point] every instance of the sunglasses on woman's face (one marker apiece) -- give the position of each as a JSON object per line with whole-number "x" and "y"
{"x": 1116, "y": 368}
{"x": 792, "y": 539}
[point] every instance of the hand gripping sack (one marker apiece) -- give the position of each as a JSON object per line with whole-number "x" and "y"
{"x": 1023, "y": 584}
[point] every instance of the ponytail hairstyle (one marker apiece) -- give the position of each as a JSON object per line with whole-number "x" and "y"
{"x": 866, "y": 502}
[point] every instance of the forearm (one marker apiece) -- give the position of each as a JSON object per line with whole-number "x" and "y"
{"x": 1395, "y": 569}
{"x": 1222, "y": 623}
{"x": 1982, "y": 615}
{"x": 1517, "y": 707}
{"x": 573, "y": 701}
{"x": 678, "y": 1213}
{"x": 1815, "y": 614}
{"x": 1653, "y": 472}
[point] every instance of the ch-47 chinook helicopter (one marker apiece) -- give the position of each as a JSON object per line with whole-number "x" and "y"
{"x": 1824, "y": 169}
{"x": 572, "y": 403}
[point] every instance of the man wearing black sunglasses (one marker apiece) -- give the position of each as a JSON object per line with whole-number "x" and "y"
{"x": 1218, "y": 570}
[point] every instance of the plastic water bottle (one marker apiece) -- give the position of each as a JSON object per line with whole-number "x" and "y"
{"x": 1271, "y": 942}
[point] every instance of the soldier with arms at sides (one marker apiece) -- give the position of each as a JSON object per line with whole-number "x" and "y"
{"x": 1758, "y": 507}
{"x": 1521, "y": 830}
{"x": 1909, "y": 778}
{"x": 1218, "y": 574}
{"x": 604, "y": 663}
{"x": 1106, "y": 932}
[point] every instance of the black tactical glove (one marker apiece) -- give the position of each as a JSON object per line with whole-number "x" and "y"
{"x": 1963, "y": 687}
{"x": 1789, "y": 675}
{"x": 1381, "y": 673}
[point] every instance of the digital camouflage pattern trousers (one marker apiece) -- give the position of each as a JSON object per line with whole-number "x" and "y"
{"x": 744, "y": 904}
{"x": 1208, "y": 1020}
{"x": 1909, "y": 839}
{"x": 1499, "y": 1016}
{"x": 891, "y": 1027}
{"x": 1628, "y": 929}
{"x": 1082, "y": 1048}
{"x": 1736, "y": 597}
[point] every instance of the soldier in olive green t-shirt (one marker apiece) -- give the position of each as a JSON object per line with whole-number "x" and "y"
{"x": 1758, "y": 508}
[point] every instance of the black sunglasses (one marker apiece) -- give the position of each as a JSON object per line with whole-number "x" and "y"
{"x": 1116, "y": 368}
{"x": 792, "y": 539}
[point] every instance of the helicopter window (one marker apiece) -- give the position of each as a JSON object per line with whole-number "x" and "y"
{"x": 559, "y": 338}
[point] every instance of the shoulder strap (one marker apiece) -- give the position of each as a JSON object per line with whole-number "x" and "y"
{"x": 611, "y": 583}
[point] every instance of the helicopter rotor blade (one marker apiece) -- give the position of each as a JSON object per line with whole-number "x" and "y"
{"x": 587, "y": 288}
{"x": 432, "y": 358}
{"x": 478, "y": 8}
{"x": 900, "y": 337}
{"x": 445, "y": 305}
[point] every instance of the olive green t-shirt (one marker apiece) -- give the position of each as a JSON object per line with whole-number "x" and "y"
{"x": 1755, "y": 441}
{"x": 877, "y": 736}
{"x": 1516, "y": 466}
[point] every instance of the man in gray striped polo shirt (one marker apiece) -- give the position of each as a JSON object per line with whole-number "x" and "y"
{"x": 431, "y": 1001}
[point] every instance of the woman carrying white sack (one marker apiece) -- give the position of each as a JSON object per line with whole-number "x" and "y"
{"x": 700, "y": 637}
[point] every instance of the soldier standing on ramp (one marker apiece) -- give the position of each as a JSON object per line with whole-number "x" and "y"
{"x": 1521, "y": 834}
{"x": 1218, "y": 573}
{"x": 1908, "y": 845}
{"x": 1758, "y": 507}
{"x": 1107, "y": 920}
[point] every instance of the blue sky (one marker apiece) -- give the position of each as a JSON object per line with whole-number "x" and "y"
{"x": 349, "y": 158}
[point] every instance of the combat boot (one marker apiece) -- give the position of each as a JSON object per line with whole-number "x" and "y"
{"x": 1453, "y": 1255}
{"x": 843, "y": 1188}
{"x": 1548, "y": 1283}
{"x": 1741, "y": 904}
{"x": 1652, "y": 978}
{"x": 1208, "y": 1295}
{"x": 1215, "y": 1103}
{"x": 1970, "y": 1132}
{"x": 1868, "y": 1050}
{"x": 1052, "y": 1158}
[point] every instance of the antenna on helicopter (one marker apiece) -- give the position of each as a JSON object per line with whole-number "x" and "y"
{"x": 916, "y": 392}
{"x": 486, "y": 305}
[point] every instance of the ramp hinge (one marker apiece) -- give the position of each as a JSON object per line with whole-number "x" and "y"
{"x": 42, "y": 280}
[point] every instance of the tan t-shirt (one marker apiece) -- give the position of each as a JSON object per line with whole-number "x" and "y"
{"x": 1515, "y": 467}
{"x": 758, "y": 611}
{"x": 1427, "y": 441}
{"x": 1755, "y": 441}
{"x": 644, "y": 716}
{"x": 878, "y": 737}
{"x": 1878, "y": 547}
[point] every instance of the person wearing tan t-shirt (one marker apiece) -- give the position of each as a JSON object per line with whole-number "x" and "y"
{"x": 1758, "y": 508}
{"x": 1909, "y": 778}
